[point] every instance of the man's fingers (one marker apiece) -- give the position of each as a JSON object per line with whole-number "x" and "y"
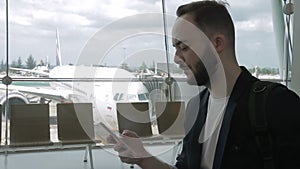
{"x": 129, "y": 133}
{"x": 126, "y": 154}
{"x": 120, "y": 147}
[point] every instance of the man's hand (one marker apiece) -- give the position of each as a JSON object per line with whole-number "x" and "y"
{"x": 130, "y": 148}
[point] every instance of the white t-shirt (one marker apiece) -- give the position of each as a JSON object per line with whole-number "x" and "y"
{"x": 210, "y": 132}
{"x": 211, "y": 129}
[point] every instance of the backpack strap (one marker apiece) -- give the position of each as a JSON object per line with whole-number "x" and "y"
{"x": 258, "y": 119}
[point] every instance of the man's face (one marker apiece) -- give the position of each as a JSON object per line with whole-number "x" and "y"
{"x": 190, "y": 46}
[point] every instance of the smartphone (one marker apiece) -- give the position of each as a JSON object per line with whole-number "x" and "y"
{"x": 110, "y": 133}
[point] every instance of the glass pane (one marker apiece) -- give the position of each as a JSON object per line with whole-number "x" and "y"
{"x": 89, "y": 51}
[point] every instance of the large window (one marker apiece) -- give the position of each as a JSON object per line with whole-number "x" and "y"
{"x": 108, "y": 51}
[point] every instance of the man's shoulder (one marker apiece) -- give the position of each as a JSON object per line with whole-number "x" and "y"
{"x": 281, "y": 104}
{"x": 275, "y": 93}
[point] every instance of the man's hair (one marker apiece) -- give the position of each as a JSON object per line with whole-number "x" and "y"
{"x": 211, "y": 17}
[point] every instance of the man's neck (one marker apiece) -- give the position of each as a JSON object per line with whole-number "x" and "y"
{"x": 223, "y": 81}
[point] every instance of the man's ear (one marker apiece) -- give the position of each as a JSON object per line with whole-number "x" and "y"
{"x": 218, "y": 41}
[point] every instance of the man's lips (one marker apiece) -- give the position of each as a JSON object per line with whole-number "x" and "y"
{"x": 184, "y": 67}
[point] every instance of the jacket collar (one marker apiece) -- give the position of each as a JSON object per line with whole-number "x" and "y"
{"x": 241, "y": 84}
{"x": 239, "y": 88}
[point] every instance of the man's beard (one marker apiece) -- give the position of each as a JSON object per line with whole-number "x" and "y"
{"x": 200, "y": 75}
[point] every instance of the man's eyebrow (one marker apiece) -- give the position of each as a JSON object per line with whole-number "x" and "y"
{"x": 178, "y": 42}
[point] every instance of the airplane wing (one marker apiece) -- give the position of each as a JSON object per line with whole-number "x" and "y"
{"x": 49, "y": 93}
{"x": 40, "y": 72}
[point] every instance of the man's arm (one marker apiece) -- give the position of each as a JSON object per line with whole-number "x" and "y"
{"x": 154, "y": 163}
{"x": 132, "y": 151}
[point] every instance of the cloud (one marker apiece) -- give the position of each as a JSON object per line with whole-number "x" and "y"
{"x": 263, "y": 24}
{"x": 33, "y": 23}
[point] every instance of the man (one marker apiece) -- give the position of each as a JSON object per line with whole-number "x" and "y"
{"x": 220, "y": 136}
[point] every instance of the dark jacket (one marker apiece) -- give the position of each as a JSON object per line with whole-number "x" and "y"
{"x": 236, "y": 147}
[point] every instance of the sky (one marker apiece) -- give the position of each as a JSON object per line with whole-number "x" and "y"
{"x": 33, "y": 24}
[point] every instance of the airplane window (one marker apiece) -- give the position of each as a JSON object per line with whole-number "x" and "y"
{"x": 143, "y": 96}
{"x": 116, "y": 96}
{"x": 121, "y": 97}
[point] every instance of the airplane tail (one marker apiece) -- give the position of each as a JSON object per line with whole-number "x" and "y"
{"x": 47, "y": 62}
{"x": 58, "y": 51}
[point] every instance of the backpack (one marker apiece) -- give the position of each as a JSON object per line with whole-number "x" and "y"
{"x": 258, "y": 119}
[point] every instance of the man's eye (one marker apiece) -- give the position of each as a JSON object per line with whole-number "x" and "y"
{"x": 183, "y": 47}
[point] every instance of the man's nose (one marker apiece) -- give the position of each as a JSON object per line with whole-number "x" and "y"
{"x": 177, "y": 58}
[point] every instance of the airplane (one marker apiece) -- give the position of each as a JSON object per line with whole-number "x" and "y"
{"x": 101, "y": 86}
